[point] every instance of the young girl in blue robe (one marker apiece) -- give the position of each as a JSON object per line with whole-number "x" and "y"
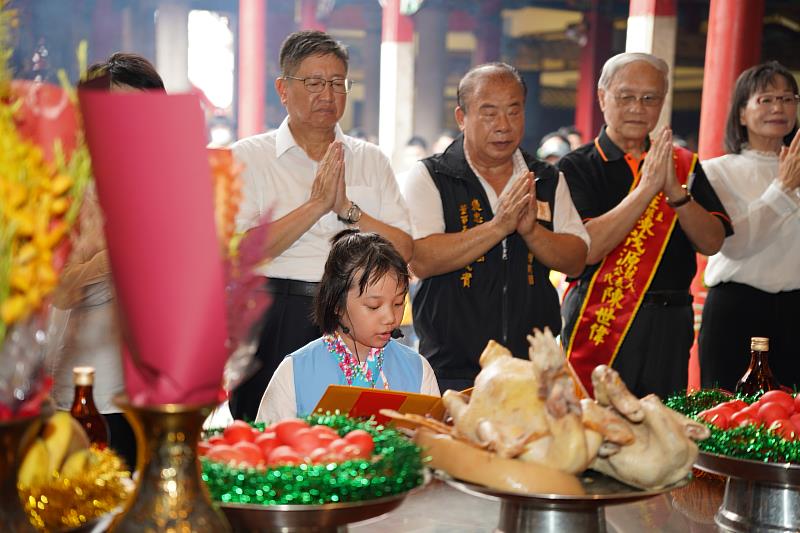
{"x": 358, "y": 306}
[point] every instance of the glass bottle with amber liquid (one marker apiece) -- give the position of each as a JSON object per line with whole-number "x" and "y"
{"x": 83, "y": 408}
{"x": 758, "y": 376}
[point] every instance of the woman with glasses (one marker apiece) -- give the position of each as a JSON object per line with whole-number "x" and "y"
{"x": 754, "y": 281}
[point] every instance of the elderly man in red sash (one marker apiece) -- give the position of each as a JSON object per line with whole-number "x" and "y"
{"x": 648, "y": 207}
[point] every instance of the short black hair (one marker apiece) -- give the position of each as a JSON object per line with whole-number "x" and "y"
{"x": 302, "y": 44}
{"x": 495, "y": 69}
{"x": 123, "y": 68}
{"x": 365, "y": 256}
{"x": 750, "y": 81}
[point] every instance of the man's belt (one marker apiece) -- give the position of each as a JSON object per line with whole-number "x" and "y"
{"x": 666, "y": 298}
{"x": 292, "y": 287}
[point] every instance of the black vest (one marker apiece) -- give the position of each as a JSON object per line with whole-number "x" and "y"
{"x": 501, "y": 296}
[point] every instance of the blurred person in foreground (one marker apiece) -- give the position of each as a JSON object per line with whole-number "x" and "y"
{"x": 648, "y": 208}
{"x": 315, "y": 181}
{"x": 754, "y": 280}
{"x": 489, "y": 222}
{"x": 85, "y": 295}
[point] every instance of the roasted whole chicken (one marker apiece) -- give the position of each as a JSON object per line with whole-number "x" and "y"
{"x": 529, "y": 410}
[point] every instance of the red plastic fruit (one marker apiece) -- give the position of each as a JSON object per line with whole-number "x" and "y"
{"x": 286, "y": 429}
{"x": 337, "y": 445}
{"x": 304, "y": 441}
{"x": 362, "y": 439}
{"x": 351, "y": 451}
{"x": 784, "y": 428}
{"x": 736, "y": 405}
{"x": 284, "y": 455}
{"x": 781, "y": 397}
{"x": 203, "y": 448}
{"x": 716, "y": 417}
{"x": 251, "y": 451}
{"x": 267, "y": 442}
{"x": 743, "y": 418}
{"x": 217, "y": 439}
{"x": 239, "y": 431}
{"x": 769, "y": 412}
{"x": 224, "y": 453}
{"x": 326, "y": 431}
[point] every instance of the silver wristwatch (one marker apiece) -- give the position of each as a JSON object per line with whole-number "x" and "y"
{"x": 353, "y": 214}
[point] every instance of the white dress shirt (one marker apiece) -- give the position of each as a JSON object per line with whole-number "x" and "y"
{"x": 277, "y": 178}
{"x": 427, "y": 213}
{"x": 279, "y": 401}
{"x": 764, "y": 251}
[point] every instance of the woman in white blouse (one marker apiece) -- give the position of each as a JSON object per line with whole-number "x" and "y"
{"x": 754, "y": 281}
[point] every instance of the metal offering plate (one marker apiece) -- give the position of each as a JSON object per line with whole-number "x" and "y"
{"x": 723, "y": 465}
{"x": 325, "y": 517}
{"x": 600, "y": 490}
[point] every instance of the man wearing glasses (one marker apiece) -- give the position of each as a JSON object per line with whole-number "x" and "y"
{"x": 315, "y": 181}
{"x": 648, "y": 207}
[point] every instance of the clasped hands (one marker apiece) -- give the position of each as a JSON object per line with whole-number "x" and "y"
{"x": 658, "y": 171}
{"x": 329, "y": 189}
{"x": 789, "y": 165}
{"x": 516, "y": 210}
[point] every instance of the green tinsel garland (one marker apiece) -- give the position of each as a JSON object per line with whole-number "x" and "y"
{"x": 747, "y": 442}
{"x": 396, "y": 467}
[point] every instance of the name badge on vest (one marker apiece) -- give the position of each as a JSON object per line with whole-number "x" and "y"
{"x": 543, "y": 211}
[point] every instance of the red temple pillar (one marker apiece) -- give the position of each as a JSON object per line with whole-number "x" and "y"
{"x": 733, "y": 44}
{"x": 588, "y": 117}
{"x": 252, "y": 66}
{"x": 308, "y": 16}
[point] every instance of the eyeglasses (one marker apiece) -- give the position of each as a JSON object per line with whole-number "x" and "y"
{"x": 786, "y": 99}
{"x": 647, "y": 100}
{"x": 317, "y": 85}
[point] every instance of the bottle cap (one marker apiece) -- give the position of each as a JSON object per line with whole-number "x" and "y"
{"x": 83, "y": 375}
{"x": 759, "y": 344}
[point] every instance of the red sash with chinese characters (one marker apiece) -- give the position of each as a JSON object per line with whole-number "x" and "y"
{"x": 618, "y": 286}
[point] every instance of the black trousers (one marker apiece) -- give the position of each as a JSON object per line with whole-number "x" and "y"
{"x": 733, "y": 313}
{"x": 287, "y": 327}
{"x": 654, "y": 357}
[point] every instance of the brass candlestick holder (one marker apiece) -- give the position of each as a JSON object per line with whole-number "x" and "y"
{"x": 14, "y": 437}
{"x": 170, "y": 494}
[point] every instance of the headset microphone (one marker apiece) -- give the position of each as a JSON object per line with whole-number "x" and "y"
{"x": 397, "y": 334}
